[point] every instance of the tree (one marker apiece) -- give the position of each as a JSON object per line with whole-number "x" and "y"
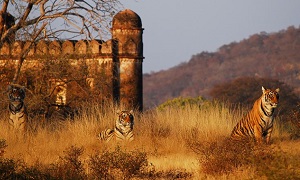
{"x": 32, "y": 20}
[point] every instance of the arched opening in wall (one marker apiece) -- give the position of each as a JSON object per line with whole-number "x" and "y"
{"x": 90, "y": 81}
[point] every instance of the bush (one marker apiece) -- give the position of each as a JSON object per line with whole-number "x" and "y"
{"x": 69, "y": 166}
{"x": 17, "y": 169}
{"x": 221, "y": 157}
{"x": 225, "y": 157}
{"x": 181, "y": 102}
{"x": 273, "y": 163}
{"x": 293, "y": 125}
{"x": 7, "y": 169}
{"x": 118, "y": 164}
{"x": 3, "y": 145}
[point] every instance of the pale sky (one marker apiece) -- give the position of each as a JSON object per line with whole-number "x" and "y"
{"x": 174, "y": 30}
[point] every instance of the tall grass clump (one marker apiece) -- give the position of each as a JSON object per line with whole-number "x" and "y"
{"x": 193, "y": 119}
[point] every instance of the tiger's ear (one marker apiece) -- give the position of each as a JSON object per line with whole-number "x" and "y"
{"x": 263, "y": 89}
{"x": 277, "y": 90}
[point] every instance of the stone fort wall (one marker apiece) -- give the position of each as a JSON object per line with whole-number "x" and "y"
{"x": 110, "y": 70}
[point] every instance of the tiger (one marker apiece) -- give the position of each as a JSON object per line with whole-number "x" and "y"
{"x": 123, "y": 130}
{"x": 17, "y": 110}
{"x": 257, "y": 124}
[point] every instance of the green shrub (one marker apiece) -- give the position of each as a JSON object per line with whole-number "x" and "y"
{"x": 182, "y": 102}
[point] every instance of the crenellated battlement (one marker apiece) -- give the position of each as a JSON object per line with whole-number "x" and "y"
{"x": 69, "y": 48}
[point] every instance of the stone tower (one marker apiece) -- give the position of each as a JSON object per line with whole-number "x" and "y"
{"x": 128, "y": 57}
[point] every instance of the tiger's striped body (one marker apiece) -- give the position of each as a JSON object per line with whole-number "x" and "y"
{"x": 123, "y": 130}
{"x": 17, "y": 109}
{"x": 258, "y": 123}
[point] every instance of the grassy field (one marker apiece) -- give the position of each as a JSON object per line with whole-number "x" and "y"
{"x": 171, "y": 143}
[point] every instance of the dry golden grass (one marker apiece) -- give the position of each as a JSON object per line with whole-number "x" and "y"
{"x": 165, "y": 135}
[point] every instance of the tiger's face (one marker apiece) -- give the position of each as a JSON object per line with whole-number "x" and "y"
{"x": 126, "y": 118}
{"x": 16, "y": 94}
{"x": 271, "y": 97}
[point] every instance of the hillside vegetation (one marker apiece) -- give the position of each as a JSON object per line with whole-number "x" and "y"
{"x": 263, "y": 55}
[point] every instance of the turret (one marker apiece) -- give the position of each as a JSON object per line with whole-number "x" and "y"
{"x": 128, "y": 58}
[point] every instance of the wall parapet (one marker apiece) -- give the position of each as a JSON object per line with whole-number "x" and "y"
{"x": 67, "y": 48}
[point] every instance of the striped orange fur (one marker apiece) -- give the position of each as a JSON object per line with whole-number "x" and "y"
{"x": 17, "y": 110}
{"x": 257, "y": 125}
{"x": 123, "y": 130}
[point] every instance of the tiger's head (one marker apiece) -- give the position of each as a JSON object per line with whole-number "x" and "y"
{"x": 16, "y": 94}
{"x": 270, "y": 97}
{"x": 125, "y": 119}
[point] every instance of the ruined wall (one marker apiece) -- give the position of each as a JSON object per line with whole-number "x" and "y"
{"x": 68, "y": 70}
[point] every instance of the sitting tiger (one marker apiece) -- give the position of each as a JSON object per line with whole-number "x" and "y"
{"x": 123, "y": 130}
{"x": 257, "y": 125}
{"x": 17, "y": 109}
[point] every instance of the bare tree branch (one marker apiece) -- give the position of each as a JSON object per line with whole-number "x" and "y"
{"x": 24, "y": 54}
{"x": 3, "y": 21}
{"x": 87, "y": 19}
{"x": 55, "y": 19}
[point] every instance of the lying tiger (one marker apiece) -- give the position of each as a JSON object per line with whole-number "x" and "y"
{"x": 123, "y": 130}
{"x": 17, "y": 109}
{"x": 258, "y": 123}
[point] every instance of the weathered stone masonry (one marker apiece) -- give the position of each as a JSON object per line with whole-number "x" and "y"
{"x": 120, "y": 58}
